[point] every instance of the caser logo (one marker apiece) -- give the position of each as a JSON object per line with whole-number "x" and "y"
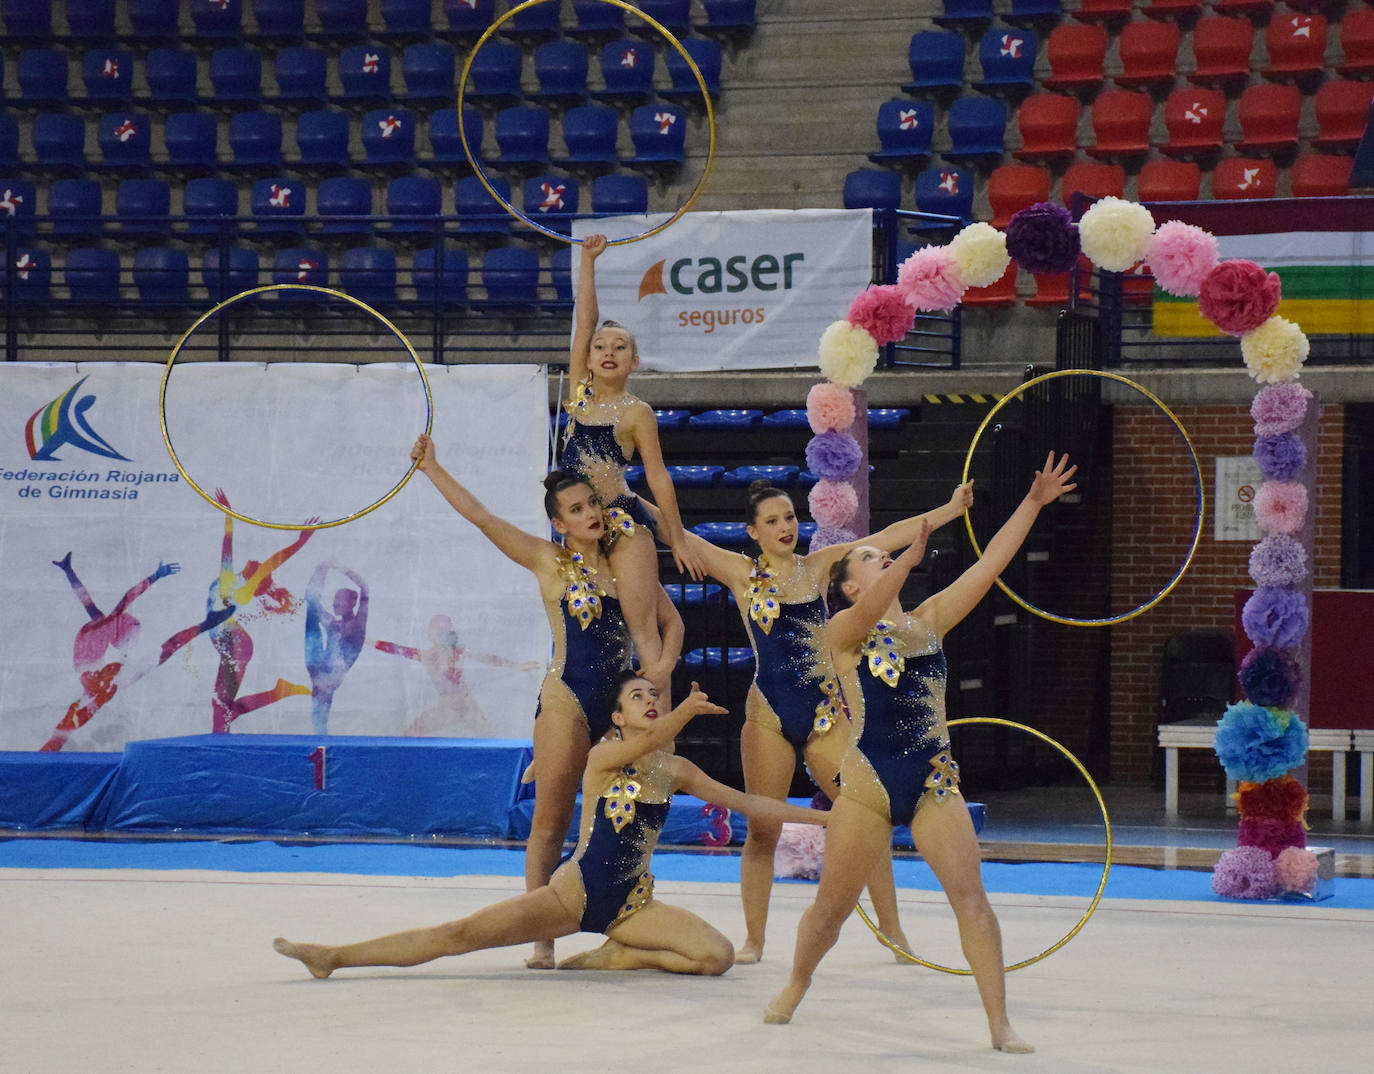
{"x": 740, "y": 275}
{"x": 62, "y": 423}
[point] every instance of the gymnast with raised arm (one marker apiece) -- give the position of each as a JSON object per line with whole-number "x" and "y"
{"x": 605, "y": 885}
{"x": 591, "y": 646}
{"x": 899, "y": 768}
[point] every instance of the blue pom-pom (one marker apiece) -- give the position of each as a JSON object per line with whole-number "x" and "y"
{"x": 1257, "y": 744}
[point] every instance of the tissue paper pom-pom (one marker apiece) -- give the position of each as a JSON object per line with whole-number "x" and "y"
{"x": 1116, "y": 233}
{"x": 929, "y": 280}
{"x": 1269, "y": 677}
{"x": 980, "y": 255}
{"x": 1270, "y": 835}
{"x": 1043, "y": 238}
{"x": 1296, "y": 870}
{"x": 1280, "y": 458}
{"x": 1274, "y": 351}
{"x": 1282, "y": 799}
{"x": 1239, "y": 296}
{"x": 1256, "y": 744}
{"x": 834, "y": 456}
{"x": 1279, "y": 408}
{"x": 1180, "y": 257}
{"x": 829, "y": 407}
{"x": 847, "y": 354}
{"x": 825, "y": 536}
{"x": 1278, "y": 560}
{"x": 801, "y": 848}
{"x": 1245, "y": 873}
{"x": 883, "y": 312}
{"x": 1275, "y": 616}
{"x": 1281, "y": 506}
{"x": 832, "y": 503}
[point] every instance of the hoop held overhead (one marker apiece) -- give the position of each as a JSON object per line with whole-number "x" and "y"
{"x": 902, "y": 952}
{"x": 1197, "y": 471}
{"x": 311, "y": 288}
{"x": 681, "y": 51}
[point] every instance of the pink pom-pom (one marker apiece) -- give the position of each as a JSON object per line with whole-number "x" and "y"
{"x": 1245, "y": 873}
{"x": 883, "y": 311}
{"x": 929, "y": 279}
{"x": 1281, "y": 506}
{"x": 1296, "y": 870}
{"x": 1279, "y": 408}
{"x": 1271, "y": 834}
{"x": 1180, "y": 257}
{"x": 1239, "y": 296}
{"x": 832, "y": 503}
{"x": 801, "y": 847}
{"x": 829, "y": 408}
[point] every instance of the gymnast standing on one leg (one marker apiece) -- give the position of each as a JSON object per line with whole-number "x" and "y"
{"x": 794, "y": 699}
{"x": 605, "y": 885}
{"x": 892, "y": 672}
{"x": 591, "y": 647}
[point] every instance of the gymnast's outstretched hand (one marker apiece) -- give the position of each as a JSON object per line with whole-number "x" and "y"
{"x": 1053, "y": 481}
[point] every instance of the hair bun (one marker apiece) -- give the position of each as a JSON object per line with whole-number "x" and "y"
{"x": 759, "y": 486}
{"x": 554, "y": 478}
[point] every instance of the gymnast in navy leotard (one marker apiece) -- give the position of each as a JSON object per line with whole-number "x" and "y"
{"x": 605, "y": 885}
{"x": 898, "y": 769}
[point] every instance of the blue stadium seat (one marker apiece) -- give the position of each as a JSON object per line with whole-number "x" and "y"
{"x": 369, "y": 274}
{"x": 192, "y": 141}
{"x": 692, "y": 593}
{"x": 428, "y": 71}
{"x": 787, "y": 419}
{"x": 414, "y": 196}
{"x": 42, "y": 76}
{"x": 510, "y": 276}
{"x": 365, "y": 73}
{"x": 595, "y": 20}
{"x": 301, "y": 76}
{"x": 522, "y": 137}
{"x": 590, "y": 132}
{"x": 92, "y": 275}
{"x": 442, "y": 279}
{"x": 236, "y": 73}
{"x": 620, "y": 195}
{"x": 278, "y": 206}
{"x": 171, "y": 75}
{"x": 162, "y": 276}
{"x": 494, "y": 75}
{"x": 75, "y": 206}
{"x": 322, "y": 138}
{"x": 301, "y": 265}
{"x": 468, "y": 18}
{"x": 388, "y": 136}
{"x": 627, "y": 71}
{"x": 683, "y": 87}
{"x": 108, "y": 74}
{"x": 9, "y": 142}
{"x": 728, "y": 16}
{"x": 255, "y": 140}
{"x": 905, "y": 128}
{"x": 538, "y": 23}
{"x": 977, "y": 126}
{"x": 963, "y": 12}
{"x": 142, "y": 207}
{"x": 560, "y": 272}
{"x": 154, "y": 19}
{"x": 217, "y": 18}
{"x": 699, "y": 477}
{"x": 1008, "y": 59}
{"x": 59, "y": 141}
{"x": 659, "y": 133}
{"x": 672, "y": 419}
{"x": 341, "y": 20}
{"x": 228, "y": 271}
{"x": 32, "y": 274}
{"x": 404, "y": 18}
{"x": 208, "y": 201}
{"x": 725, "y": 534}
{"x": 673, "y": 15}
{"x": 1026, "y": 12}
{"x": 725, "y": 419}
{"x": 887, "y": 417}
{"x": 779, "y": 476}
{"x": 27, "y": 18}
{"x": 552, "y": 200}
{"x": 936, "y": 58}
{"x": 946, "y": 190}
{"x": 561, "y": 70}
{"x": 125, "y": 140}
{"x": 476, "y": 209}
{"x": 445, "y": 142}
{"x": 281, "y": 20}
{"x": 344, "y": 197}
{"x": 872, "y": 188}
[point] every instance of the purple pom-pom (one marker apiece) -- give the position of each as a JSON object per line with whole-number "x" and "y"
{"x": 1043, "y": 238}
{"x": 1278, "y": 560}
{"x": 825, "y": 536}
{"x": 1274, "y": 616}
{"x": 1269, "y": 678}
{"x": 1280, "y": 458}
{"x": 834, "y": 456}
{"x": 1279, "y": 408}
{"x": 1245, "y": 873}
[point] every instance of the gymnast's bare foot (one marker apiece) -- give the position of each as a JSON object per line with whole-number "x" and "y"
{"x": 1006, "y": 1040}
{"x": 748, "y": 953}
{"x": 542, "y": 959}
{"x": 314, "y": 956}
{"x": 781, "y": 1007}
{"x": 897, "y": 936}
{"x": 598, "y": 958}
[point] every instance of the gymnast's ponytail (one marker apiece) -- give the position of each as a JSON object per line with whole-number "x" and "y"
{"x": 836, "y": 599}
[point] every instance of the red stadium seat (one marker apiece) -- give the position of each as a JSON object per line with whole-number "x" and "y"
{"x": 1183, "y": 12}
{"x": 1121, "y": 124}
{"x": 1103, "y": 10}
{"x": 1013, "y": 187}
{"x": 1076, "y": 55}
{"x": 1296, "y": 42}
{"x": 1149, "y": 53}
{"x": 1049, "y": 127}
{"x": 1258, "y": 10}
{"x": 997, "y": 295}
{"x": 1269, "y": 118}
{"x": 1320, "y": 175}
{"x": 1169, "y": 180}
{"x": 1244, "y": 177}
{"x": 1342, "y": 109}
{"x": 1193, "y": 117}
{"x": 1357, "y": 42}
{"x": 1221, "y": 49}
{"x": 1094, "y": 180}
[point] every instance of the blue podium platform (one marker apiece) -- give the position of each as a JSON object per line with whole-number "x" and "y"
{"x": 53, "y": 790}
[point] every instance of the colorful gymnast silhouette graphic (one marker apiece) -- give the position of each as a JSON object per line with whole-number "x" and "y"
{"x": 62, "y": 423}
{"x": 455, "y": 710}
{"x": 333, "y": 638}
{"x": 231, "y": 641}
{"x": 112, "y": 634}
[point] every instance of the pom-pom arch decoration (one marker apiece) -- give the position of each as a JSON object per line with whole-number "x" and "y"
{"x": 294, "y": 288}
{"x": 1197, "y": 472}
{"x": 901, "y": 952}
{"x": 691, "y": 66}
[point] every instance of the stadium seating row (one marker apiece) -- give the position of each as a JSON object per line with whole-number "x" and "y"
{"x": 972, "y": 13}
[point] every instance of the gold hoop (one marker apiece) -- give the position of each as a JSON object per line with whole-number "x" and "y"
{"x": 1197, "y": 470}
{"x": 681, "y": 51}
{"x": 181, "y": 343}
{"x": 902, "y": 952}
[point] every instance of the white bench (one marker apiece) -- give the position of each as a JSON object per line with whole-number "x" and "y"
{"x": 1201, "y": 733}
{"x": 1364, "y": 745}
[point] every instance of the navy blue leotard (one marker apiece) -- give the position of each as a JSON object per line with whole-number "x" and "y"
{"x": 593, "y": 454}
